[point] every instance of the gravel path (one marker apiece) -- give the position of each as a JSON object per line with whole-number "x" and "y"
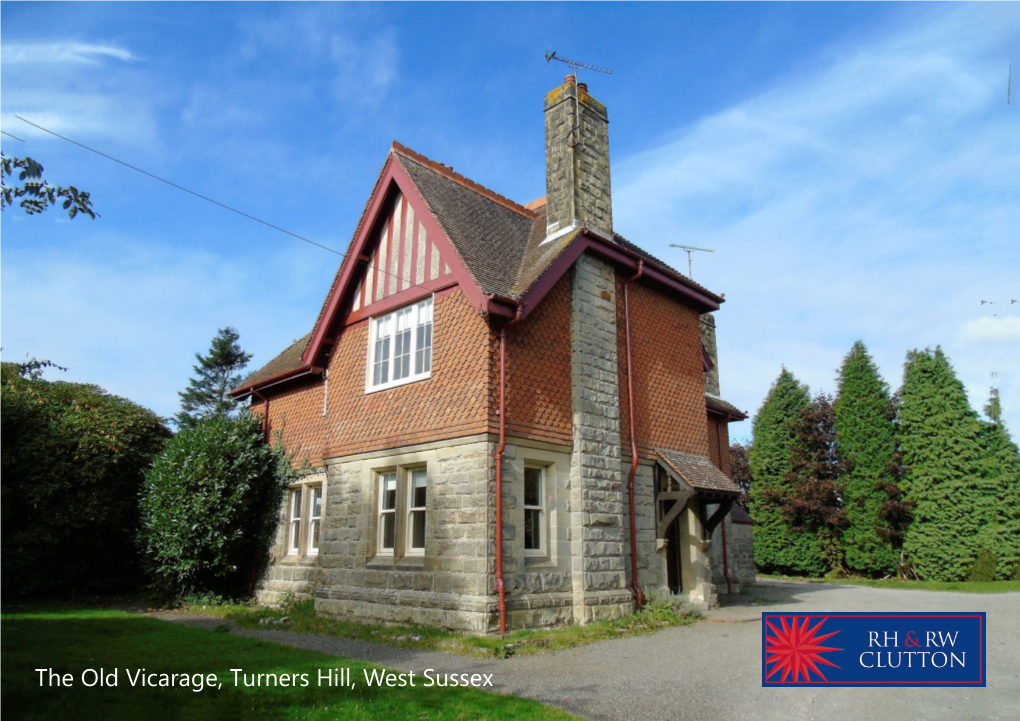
{"x": 712, "y": 670}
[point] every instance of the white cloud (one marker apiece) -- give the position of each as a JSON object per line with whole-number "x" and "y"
{"x": 62, "y": 52}
{"x": 992, "y": 329}
{"x": 875, "y": 198}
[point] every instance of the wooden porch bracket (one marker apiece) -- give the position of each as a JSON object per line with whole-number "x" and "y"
{"x": 708, "y": 525}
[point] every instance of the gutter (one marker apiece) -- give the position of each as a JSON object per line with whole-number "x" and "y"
{"x": 638, "y": 600}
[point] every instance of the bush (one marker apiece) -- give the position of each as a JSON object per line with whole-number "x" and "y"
{"x": 984, "y": 567}
{"x": 210, "y": 508}
{"x": 74, "y": 458}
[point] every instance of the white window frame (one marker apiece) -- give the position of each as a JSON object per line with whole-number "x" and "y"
{"x": 294, "y": 508}
{"x": 409, "y": 549}
{"x": 314, "y": 522}
{"x": 543, "y": 516}
{"x": 419, "y": 311}
{"x": 384, "y": 477}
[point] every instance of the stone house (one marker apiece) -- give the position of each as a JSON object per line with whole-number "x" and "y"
{"x": 508, "y": 415}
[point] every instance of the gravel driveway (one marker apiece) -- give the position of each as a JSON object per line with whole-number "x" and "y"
{"x": 712, "y": 670}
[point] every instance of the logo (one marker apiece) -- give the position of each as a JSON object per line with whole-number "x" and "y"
{"x": 873, "y": 649}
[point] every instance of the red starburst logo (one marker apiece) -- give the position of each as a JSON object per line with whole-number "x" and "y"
{"x": 796, "y": 651}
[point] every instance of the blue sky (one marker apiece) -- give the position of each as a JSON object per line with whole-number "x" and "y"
{"x": 855, "y": 167}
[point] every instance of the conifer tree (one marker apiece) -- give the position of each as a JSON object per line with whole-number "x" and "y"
{"x": 945, "y": 471}
{"x": 814, "y": 503}
{"x": 216, "y": 374}
{"x": 1003, "y": 468}
{"x": 777, "y": 547}
{"x": 866, "y": 441}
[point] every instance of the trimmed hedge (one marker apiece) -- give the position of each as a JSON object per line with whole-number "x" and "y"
{"x": 73, "y": 461}
{"x": 210, "y": 508}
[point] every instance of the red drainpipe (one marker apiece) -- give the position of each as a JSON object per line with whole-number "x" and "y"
{"x": 725, "y": 552}
{"x": 725, "y": 560}
{"x": 500, "y": 586}
{"x": 639, "y": 601}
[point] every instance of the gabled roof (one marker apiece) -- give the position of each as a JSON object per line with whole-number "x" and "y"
{"x": 498, "y": 246}
{"x": 698, "y": 471}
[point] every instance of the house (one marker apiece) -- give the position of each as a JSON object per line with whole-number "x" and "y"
{"x": 508, "y": 415}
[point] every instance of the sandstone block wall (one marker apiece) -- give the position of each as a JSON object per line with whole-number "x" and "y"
{"x": 451, "y": 584}
{"x": 597, "y": 499}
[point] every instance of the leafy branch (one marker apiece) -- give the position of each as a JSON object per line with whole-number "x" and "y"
{"x": 36, "y": 193}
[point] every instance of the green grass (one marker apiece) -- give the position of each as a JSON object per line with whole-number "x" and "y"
{"x": 70, "y": 640}
{"x": 303, "y": 619}
{"x": 962, "y": 586}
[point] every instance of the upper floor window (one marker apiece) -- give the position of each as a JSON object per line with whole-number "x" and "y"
{"x": 400, "y": 346}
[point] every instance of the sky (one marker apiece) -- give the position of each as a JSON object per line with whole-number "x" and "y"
{"x": 855, "y": 168}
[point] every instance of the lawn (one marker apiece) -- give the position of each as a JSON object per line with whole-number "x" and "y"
{"x": 70, "y": 640}
{"x": 960, "y": 586}
{"x": 301, "y": 618}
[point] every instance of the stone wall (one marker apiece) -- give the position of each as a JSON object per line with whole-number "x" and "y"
{"x": 291, "y": 576}
{"x": 597, "y": 497}
{"x": 740, "y": 554}
{"x": 449, "y": 585}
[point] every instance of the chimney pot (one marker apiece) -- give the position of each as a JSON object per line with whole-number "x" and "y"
{"x": 571, "y": 79}
{"x": 583, "y": 87}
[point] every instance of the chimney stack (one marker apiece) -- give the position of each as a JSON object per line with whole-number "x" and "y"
{"x": 577, "y": 160}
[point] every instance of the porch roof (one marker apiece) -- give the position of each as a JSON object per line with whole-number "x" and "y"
{"x": 698, "y": 471}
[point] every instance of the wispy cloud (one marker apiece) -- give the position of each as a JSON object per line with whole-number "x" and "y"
{"x": 875, "y": 198}
{"x": 62, "y": 52}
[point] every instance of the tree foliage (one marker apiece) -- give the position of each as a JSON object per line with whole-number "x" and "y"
{"x": 210, "y": 508}
{"x": 740, "y": 471}
{"x": 73, "y": 461}
{"x": 216, "y": 374}
{"x": 1002, "y": 468}
{"x": 946, "y": 474}
{"x": 777, "y": 548}
{"x": 813, "y": 503}
{"x": 866, "y": 440}
{"x": 36, "y": 194}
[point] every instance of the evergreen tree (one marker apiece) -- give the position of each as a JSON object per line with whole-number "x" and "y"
{"x": 945, "y": 471}
{"x": 1002, "y": 460}
{"x": 777, "y": 547}
{"x": 216, "y": 374}
{"x": 814, "y": 503}
{"x": 866, "y": 440}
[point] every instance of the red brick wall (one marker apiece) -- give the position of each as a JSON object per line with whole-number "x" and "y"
{"x": 295, "y": 416}
{"x": 668, "y": 383}
{"x": 450, "y": 404}
{"x": 719, "y": 442}
{"x": 538, "y": 371}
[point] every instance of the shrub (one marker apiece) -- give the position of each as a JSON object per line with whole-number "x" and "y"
{"x": 74, "y": 458}
{"x": 210, "y": 508}
{"x": 984, "y": 567}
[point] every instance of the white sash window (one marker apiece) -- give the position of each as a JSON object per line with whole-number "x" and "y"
{"x": 400, "y": 347}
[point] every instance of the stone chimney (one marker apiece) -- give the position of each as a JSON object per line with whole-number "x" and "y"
{"x": 577, "y": 160}
{"x": 708, "y": 343}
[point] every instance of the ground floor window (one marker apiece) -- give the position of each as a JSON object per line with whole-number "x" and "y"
{"x": 304, "y": 519}
{"x": 387, "y": 511}
{"x": 418, "y": 487}
{"x": 534, "y": 510}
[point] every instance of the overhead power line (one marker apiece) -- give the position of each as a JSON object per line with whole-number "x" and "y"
{"x": 181, "y": 187}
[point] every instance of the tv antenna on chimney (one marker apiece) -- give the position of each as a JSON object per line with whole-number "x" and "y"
{"x": 690, "y": 249}
{"x": 575, "y": 65}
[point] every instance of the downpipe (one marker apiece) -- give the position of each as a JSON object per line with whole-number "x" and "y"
{"x": 638, "y": 599}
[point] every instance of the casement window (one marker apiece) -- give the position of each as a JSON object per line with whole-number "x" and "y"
{"x": 314, "y": 519}
{"x": 387, "y": 512}
{"x": 417, "y": 482}
{"x": 534, "y": 510}
{"x": 294, "y": 527}
{"x": 400, "y": 347}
